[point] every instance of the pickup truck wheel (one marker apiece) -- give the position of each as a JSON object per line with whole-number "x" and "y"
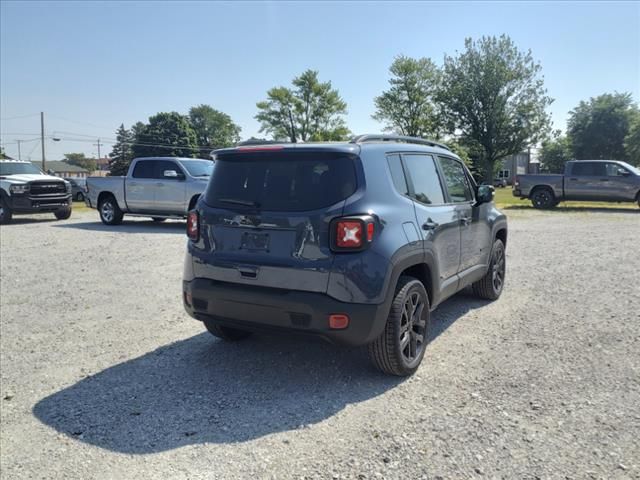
{"x": 491, "y": 285}
{"x": 543, "y": 198}
{"x": 5, "y": 213}
{"x": 110, "y": 212}
{"x": 225, "y": 333}
{"x": 401, "y": 346}
{"x": 63, "y": 213}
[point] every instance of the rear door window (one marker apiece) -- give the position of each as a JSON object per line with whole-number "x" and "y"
{"x": 144, "y": 169}
{"x": 424, "y": 178}
{"x": 281, "y": 181}
{"x": 589, "y": 169}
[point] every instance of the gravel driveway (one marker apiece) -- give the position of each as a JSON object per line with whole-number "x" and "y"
{"x": 104, "y": 376}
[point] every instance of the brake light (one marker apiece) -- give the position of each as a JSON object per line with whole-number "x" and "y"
{"x": 349, "y": 234}
{"x": 193, "y": 226}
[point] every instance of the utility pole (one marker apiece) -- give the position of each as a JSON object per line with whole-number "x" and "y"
{"x": 98, "y": 145}
{"x": 19, "y": 142}
{"x": 44, "y": 168}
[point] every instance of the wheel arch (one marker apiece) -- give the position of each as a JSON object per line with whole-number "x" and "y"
{"x": 102, "y": 195}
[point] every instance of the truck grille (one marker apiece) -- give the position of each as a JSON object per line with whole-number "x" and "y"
{"x": 47, "y": 188}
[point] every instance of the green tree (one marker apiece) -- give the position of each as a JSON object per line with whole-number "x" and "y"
{"x": 311, "y": 111}
{"x": 166, "y": 135}
{"x": 632, "y": 141}
{"x": 494, "y": 96}
{"x": 4, "y": 156}
{"x": 214, "y": 129}
{"x": 554, "y": 153}
{"x": 80, "y": 160}
{"x": 408, "y": 106}
{"x": 597, "y": 128}
{"x": 121, "y": 155}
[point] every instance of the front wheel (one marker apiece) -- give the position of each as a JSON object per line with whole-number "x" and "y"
{"x": 5, "y": 212}
{"x": 63, "y": 214}
{"x": 225, "y": 333}
{"x": 543, "y": 198}
{"x": 110, "y": 212}
{"x": 401, "y": 346}
{"x": 490, "y": 286}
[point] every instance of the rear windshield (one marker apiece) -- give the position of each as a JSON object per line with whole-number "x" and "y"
{"x": 282, "y": 181}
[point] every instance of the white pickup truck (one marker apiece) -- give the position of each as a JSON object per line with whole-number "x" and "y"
{"x": 156, "y": 187}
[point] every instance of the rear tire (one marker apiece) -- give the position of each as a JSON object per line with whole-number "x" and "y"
{"x": 543, "y": 198}
{"x": 63, "y": 214}
{"x": 401, "y": 346}
{"x": 5, "y": 212}
{"x": 225, "y": 333}
{"x": 490, "y": 286}
{"x": 110, "y": 212}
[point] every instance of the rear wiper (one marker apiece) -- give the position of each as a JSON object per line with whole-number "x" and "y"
{"x": 234, "y": 201}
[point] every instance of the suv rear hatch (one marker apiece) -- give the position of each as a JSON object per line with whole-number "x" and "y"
{"x": 266, "y": 215}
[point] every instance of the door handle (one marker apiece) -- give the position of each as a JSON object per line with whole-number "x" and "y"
{"x": 430, "y": 225}
{"x": 465, "y": 220}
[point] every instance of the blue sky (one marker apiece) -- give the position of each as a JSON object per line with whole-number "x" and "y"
{"x": 93, "y": 65}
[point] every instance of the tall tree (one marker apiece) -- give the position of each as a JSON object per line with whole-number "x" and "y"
{"x": 493, "y": 94}
{"x": 597, "y": 128}
{"x": 554, "y": 153}
{"x": 80, "y": 160}
{"x": 311, "y": 111}
{"x": 121, "y": 155}
{"x": 214, "y": 129}
{"x": 408, "y": 106}
{"x": 166, "y": 135}
{"x": 632, "y": 141}
{"x": 4, "y": 156}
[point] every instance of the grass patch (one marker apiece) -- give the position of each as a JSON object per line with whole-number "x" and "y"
{"x": 505, "y": 199}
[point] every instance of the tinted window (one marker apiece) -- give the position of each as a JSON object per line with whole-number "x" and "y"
{"x": 397, "y": 174}
{"x": 456, "y": 180}
{"x": 198, "y": 168}
{"x": 144, "y": 169}
{"x": 162, "y": 165}
{"x": 589, "y": 169}
{"x": 424, "y": 179}
{"x": 282, "y": 181}
{"x": 615, "y": 170}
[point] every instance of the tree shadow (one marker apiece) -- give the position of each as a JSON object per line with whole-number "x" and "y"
{"x": 130, "y": 226}
{"x": 560, "y": 209}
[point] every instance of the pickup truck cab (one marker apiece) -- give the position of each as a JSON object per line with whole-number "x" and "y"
{"x": 583, "y": 180}
{"x": 25, "y": 189}
{"x": 156, "y": 187}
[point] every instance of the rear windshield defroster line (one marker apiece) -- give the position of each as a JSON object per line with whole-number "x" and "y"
{"x": 281, "y": 181}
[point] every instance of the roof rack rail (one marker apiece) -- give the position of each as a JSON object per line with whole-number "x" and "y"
{"x": 396, "y": 138}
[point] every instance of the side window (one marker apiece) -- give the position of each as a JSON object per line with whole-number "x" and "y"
{"x": 397, "y": 174}
{"x": 589, "y": 169}
{"x": 424, "y": 179}
{"x": 456, "y": 180}
{"x": 615, "y": 170}
{"x": 144, "y": 169}
{"x": 162, "y": 165}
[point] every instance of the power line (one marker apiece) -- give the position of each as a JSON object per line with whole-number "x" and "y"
{"x": 20, "y": 116}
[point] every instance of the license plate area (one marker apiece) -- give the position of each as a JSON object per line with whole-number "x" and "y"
{"x": 255, "y": 242}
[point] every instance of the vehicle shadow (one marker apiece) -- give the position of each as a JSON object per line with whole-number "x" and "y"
{"x": 27, "y": 220}
{"x": 560, "y": 208}
{"x": 452, "y": 309}
{"x": 130, "y": 226}
{"x": 202, "y": 390}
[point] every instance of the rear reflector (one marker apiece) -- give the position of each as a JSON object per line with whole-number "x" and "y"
{"x": 338, "y": 321}
{"x": 193, "y": 226}
{"x": 370, "y": 228}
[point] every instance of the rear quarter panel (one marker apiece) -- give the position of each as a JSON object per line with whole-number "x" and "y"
{"x": 529, "y": 182}
{"x": 113, "y": 185}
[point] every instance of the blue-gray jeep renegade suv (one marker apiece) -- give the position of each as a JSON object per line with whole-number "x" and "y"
{"x": 355, "y": 242}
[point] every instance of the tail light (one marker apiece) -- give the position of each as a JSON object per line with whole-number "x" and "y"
{"x": 352, "y": 234}
{"x": 193, "y": 226}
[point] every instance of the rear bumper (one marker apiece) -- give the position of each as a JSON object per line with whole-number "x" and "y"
{"x": 278, "y": 310}
{"x": 39, "y": 204}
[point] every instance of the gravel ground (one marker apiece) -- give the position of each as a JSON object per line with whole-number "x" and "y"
{"x": 104, "y": 376}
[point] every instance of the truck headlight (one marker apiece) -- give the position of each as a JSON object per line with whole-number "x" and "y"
{"x": 19, "y": 189}
{"x": 68, "y": 184}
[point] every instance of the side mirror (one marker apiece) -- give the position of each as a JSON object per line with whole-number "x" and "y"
{"x": 623, "y": 172}
{"x": 172, "y": 174}
{"x": 485, "y": 194}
